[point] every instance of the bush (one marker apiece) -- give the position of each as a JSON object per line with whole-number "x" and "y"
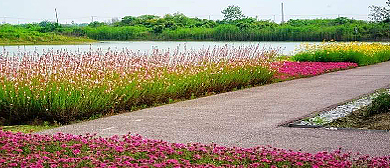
{"x": 380, "y": 104}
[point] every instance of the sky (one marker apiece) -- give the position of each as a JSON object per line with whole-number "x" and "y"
{"x": 83, "y": 11}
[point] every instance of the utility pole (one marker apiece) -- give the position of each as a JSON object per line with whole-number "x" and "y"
{"x": 282, "y": 13}
{"x": 92, "y": 18}
{"x": 55, "y": 9}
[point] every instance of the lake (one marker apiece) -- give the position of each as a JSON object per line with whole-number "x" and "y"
{"x": 146, "y": 46}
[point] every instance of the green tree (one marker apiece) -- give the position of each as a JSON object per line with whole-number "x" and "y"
{"x": 96, "y": 24}
{"x": 47, "y": 26}
{"x": 232, "y": 13}
{"x": 128, "y": 20}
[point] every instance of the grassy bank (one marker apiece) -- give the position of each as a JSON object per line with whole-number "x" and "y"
{"x": 16, "y": 35}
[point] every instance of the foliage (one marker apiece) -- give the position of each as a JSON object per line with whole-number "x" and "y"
{"x": 232, "y": 13}
{"x": 360, "y": 53}
{"x": 116, "y": 33}
{"x": 177, "y": 26}
{"x": 171, "y": 27}
{"x": 46, "y": 26}
{"x": 380, "y": 104}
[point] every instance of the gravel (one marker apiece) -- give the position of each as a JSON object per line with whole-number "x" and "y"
{"x": 338, "y": 112}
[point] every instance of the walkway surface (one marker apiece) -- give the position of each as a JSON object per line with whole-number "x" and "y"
{"x": 251, "y": 117}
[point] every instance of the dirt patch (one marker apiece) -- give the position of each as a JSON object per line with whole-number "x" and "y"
{"x": 358, "y": 120}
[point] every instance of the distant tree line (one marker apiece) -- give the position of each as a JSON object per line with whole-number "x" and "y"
{"x": 234, "y": 26}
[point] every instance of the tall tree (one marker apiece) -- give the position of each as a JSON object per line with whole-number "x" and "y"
{"x": 379, "y": 13}
{"x": 232, "y": 13}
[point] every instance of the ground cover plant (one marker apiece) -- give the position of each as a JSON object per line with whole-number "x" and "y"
{"x": 65, "y": 150}
{"x": 289, "y": 70}
{"x": 360, "y": 53}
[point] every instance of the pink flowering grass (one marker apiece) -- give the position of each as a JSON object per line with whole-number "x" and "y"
{"x": 288, "y": 70}
{"x": 61, "y": 86}
{"x": 65, "y": 150}
{"x": 64, "y": 86}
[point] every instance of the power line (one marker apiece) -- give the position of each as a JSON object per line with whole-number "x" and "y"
{"x": 92, "y": 18}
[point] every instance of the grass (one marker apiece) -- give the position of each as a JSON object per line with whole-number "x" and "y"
{"x": 62, "y": 40}
{"x": 28, "y": 128}
{"x": 16, "y": 35}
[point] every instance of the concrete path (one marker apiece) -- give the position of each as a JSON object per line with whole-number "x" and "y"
{"x": 251, "y": 117}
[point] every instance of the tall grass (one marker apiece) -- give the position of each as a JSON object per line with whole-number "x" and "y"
{"x": 63, "y": 86}
{"x": 360, "y": 53}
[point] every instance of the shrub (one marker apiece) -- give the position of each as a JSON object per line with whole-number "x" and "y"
{"x": 380, "y": 104}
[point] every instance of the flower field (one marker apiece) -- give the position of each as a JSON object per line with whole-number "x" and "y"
{"x": 360, "y": 53}
{"x": 288, "y": 70}
{"x": 61, "y": 86}
{"x": 27, "y": 150}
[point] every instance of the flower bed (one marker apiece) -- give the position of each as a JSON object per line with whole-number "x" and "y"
{"x": 27, "y": 150}
{"x": 287, "y": 70}
{"x": 360, "y": 53}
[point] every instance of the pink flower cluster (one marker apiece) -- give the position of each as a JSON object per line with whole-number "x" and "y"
{"x": 286, "y": 70}
{"x": 64, "y": 150}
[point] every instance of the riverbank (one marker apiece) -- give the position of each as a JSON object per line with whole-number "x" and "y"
{"x": 63, "y": 41}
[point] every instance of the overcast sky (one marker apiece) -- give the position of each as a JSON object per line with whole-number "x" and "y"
{"x": 21, "y": 11}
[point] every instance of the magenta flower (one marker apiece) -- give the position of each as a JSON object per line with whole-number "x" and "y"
{"x": 287, "y": 70}
{"x": 65, "y": 150}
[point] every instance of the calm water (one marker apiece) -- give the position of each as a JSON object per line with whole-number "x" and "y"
{"x": 146, "y": 46}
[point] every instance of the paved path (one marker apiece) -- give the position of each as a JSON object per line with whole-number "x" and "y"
{"x": 251, "y": 117}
